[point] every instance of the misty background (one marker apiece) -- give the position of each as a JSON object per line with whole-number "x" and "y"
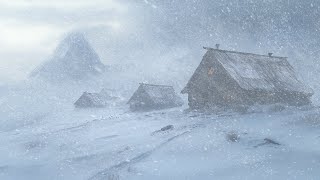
{"x": 159, "y": 41}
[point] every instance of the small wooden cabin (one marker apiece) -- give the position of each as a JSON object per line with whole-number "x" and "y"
{"x": 229, "y": 78}
{"x": 152, "y": 97}
{"x": 90, "y": 100}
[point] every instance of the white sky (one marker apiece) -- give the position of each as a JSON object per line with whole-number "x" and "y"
{"x": 30, "y": 29}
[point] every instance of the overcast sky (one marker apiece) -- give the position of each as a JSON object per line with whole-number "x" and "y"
{"x": 30, "y": 29}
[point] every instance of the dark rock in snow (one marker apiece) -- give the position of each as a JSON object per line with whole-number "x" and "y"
{"x": 166, "y": 128}
{"x": 233, "y": 136}
{"x": 268, "y": 141}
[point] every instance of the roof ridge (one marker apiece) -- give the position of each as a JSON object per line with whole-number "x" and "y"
{"x": 229, "y": 51}
{"x": 155, "y": 85}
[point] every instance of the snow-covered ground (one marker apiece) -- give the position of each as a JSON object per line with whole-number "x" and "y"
{"x": 114, "y": 143}
{"x": 42, "y": 136}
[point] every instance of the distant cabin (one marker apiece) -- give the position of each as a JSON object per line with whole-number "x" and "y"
{"x": 152, "y": 97}
{"x": 90, "y": 100}
{"x": 229, "y": 78}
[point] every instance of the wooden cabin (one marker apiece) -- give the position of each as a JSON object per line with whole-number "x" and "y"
{"x": 153, "y": 97}
{"x": 90, "y": 100}
{"x": 229, "y": 78}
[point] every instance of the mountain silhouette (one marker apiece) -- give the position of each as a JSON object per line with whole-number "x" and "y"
{"x": 73, "y": 59}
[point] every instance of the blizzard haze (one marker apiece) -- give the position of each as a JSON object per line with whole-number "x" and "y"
{"x": 56, "y": 53}
{"x": 30, "y": 30}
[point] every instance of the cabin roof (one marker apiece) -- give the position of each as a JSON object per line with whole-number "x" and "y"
{"x": 257, "y": 72}
{"x": 159, "y": 94}
{"x": 90, "y": 99}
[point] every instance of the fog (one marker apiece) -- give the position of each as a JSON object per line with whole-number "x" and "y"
{"x": 154, "y": 42}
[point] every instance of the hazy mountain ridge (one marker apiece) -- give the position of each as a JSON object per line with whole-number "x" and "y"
{"x": 74, "y": 59}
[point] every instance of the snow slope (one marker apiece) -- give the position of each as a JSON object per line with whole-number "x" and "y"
{"x": 43, "y": 137}
{"x": 116, "y": 143}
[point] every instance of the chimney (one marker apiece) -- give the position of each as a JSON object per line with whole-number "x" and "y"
{"x": 270, "y": 54}
{"x": 217, "y": 46}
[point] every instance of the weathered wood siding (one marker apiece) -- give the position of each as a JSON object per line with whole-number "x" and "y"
{"x": 214, "y": 85}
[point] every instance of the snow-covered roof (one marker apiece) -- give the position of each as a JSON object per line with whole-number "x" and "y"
{"x": 258, "y": 72}
{"x": 90, "y": 100}
{"x": 158, "y": 94}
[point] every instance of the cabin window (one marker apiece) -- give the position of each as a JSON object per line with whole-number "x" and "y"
{"x": 211, "y": 71}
